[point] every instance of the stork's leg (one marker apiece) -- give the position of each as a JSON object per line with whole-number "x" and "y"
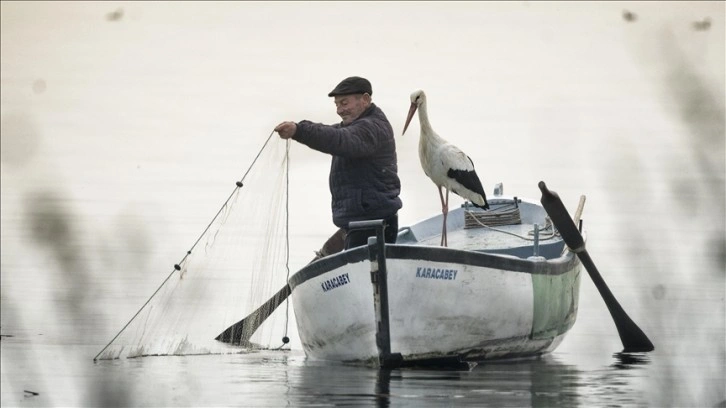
{"x": 444, "y": 211}
{"x": 446, "y": 215}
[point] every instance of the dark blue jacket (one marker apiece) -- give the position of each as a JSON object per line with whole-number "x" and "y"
{"x": 364, "y": 179}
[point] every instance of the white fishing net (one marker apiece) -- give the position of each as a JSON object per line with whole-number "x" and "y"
{"x": 237, "y": 264}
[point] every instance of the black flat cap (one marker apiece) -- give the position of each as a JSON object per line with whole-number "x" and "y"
{"x": 352, "y": 85}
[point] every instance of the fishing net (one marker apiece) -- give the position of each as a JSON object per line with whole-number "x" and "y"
{"x": 238, "y": 262}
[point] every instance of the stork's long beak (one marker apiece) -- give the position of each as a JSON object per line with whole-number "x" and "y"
{"x": 411, "y": 111}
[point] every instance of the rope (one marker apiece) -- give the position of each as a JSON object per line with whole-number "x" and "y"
{"x": 548, "y": 225}
{"x": 177, "y": 267}
{"x": 286, "y": 339}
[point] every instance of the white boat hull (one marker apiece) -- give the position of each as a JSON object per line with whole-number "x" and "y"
{"x": 442, "y": 303}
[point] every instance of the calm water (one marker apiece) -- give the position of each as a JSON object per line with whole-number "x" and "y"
{"x": 285, "y": 378}
{"x": 124, "y": 126}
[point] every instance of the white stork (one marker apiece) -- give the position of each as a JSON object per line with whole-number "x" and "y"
{"x": 445, "y": 164}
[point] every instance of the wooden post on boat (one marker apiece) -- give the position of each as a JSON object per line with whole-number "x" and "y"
{"x": 379, "y": 278}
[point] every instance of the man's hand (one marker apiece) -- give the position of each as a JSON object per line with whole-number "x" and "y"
{"x": 286, "y": 129}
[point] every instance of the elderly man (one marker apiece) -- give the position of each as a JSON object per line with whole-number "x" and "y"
{"x": 363, "y": 178}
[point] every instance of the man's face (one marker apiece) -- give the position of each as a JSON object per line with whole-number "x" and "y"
{"x": 349, "y": 107}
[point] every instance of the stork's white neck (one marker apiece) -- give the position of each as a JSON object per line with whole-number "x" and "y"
{"x": 423, "y": 117}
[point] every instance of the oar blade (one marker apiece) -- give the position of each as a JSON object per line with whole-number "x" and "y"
{"x": 632, "y": 337}
{"x": 637, "y": 341}
{"x": 240, "y": 332}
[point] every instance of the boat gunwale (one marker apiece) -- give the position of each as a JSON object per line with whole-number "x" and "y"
{"x": 534, "y": 265}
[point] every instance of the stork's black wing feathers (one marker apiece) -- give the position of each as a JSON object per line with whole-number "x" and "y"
{"x": 470, "y": 180}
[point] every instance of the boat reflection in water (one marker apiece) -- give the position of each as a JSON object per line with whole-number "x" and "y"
{"x": 537, "y": 382}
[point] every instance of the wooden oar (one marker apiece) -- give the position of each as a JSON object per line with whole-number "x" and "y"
{"x": 633, "y": 339}
{"x": 240, "y": 332}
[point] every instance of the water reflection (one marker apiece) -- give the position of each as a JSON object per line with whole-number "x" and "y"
{"x": 283, "y": 378}
{"x": 383, "y": 388}
{"x": 628, "y": 361}
{"x": 537, "y": 383}
{"x": 540, "y": 382}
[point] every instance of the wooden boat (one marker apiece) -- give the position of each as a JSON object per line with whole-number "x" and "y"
{"x": 505, "y": 287}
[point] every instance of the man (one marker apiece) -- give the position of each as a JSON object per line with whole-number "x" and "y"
{"x": 363, "y": 180}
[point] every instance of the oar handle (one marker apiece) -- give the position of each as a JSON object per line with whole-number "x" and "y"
{"x": 561, "y": 218}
